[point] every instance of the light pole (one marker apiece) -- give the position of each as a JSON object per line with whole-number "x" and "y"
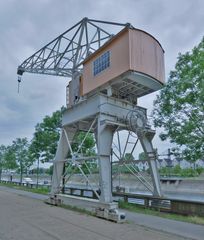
{"x": 0, "y": 166}
{"x": 0, "y": 171}
{"x": 38, "y": 163}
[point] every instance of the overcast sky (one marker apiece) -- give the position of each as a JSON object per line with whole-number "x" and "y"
{"x": 27, "y": 25}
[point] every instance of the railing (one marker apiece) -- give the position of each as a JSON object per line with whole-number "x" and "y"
{"x": 162, "y": 204}
{"x": 146, "y": 201}
{"x": 29, "y": 185}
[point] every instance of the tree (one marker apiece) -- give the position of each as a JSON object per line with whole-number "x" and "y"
{"x": 129, "y": 157}
{"x": 2, "y": 161}
{"x": 44, "y": 143}
{"x": 142, "y": 156}
{"x": 21, "y": 151}
{"x": 88, "y": 147}
{"x": 9, "y": 158}
{"x": 49, "y": 170}
{"x": 46, "y": 137}
{"x": 179, "y": 108}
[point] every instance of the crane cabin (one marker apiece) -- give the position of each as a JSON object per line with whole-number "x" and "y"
{"x": 128, "y": 66}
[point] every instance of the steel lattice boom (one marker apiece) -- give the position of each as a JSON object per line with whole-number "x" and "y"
{"x": 65, "y": 54}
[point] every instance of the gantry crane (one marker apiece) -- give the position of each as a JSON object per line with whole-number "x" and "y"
{"x": 107, "y": 74}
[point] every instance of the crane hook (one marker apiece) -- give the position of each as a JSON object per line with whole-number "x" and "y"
{"x": 19, "y": 81}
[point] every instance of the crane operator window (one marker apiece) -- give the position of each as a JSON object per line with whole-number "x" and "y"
{"x": 101, "y": 63}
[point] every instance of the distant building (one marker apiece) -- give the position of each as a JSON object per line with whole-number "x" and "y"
{"x": 45, "y": 165}
{"x": 178, "y": 161}
{"x": 199, "y": 163}
{"x": 142, "y": 166}
{"x": 185, "y": 164}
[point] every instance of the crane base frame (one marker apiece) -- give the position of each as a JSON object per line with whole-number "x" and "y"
{"x": 101, "y": 115}
{"x": 108, "y": 211}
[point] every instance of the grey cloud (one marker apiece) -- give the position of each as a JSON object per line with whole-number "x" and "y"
{"x": 26, "y": 26}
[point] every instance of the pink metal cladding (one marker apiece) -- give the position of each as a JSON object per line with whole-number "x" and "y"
{"x": 130, "y": 50}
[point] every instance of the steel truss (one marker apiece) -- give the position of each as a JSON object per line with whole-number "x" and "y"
{"x": 65, "y": 54}
{"x": 124, "y": 148}
{"x": 75, "y": 160}
{"x": 104, "y": 117}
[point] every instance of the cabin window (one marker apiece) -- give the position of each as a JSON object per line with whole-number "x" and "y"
{"x": 101, "y": 63}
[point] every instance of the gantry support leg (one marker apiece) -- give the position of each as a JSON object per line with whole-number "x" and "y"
{"x": 146, "y": 142}
{"x": 104, "y": 143}
{"x": 104, "y": 138}
{"x": 60, "y": 157}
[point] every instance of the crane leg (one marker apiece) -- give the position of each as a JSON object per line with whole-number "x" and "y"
{"x": 146, "y": 142}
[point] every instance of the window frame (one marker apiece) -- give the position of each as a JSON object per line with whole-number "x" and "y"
{"x": 101, "y": 63}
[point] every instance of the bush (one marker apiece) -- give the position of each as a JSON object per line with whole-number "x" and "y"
{"x": 189, "y": 172}
{"x": 178, "y": 171}
{"x": 199, "y": 170}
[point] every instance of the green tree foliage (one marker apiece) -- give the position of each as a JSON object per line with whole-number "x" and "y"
{"x": 179, "y": 172}
{"x": 43, "y": 146}
{"x": 9, "y": 158}
{"x": 179, "y": 108}
{"x": 15, "y": 156}
{"x": 20, "y": 148}
{"x": 2, "y": 162}
{"x": 49, "y": 170}
{"x": 142, "y": 156}
{"x": 85, "y": 149}
{"x": 46, "y": 137}
{"x": 88, "y": 146}
{"x": 129, "y": 157}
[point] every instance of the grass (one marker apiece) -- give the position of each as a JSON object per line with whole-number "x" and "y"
{"x": 124, "y": 205}
{"x": 45, "y": 191}
{"x": 39, "y": 190}
{"x": 135, "y": 208}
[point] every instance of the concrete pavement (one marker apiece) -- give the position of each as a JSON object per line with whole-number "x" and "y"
{"x": 23, "y": 216}
{"x": 187, "y": 230}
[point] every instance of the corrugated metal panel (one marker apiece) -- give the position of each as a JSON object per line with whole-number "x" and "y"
{"x": 146, "y": 55}
{"x": 133, "y": 50}
{"x": 119, "y": 63}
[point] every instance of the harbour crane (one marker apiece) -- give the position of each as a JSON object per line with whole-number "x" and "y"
{"x": 107, "y": 74}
